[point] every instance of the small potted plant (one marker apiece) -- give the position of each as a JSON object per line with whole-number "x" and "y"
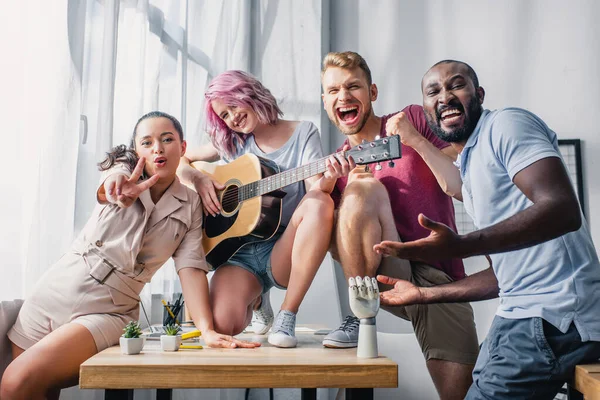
{"x": 171, "y": 340}
{"x": 131, "y": 341}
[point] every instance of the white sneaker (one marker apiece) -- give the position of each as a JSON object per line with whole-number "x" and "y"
{"x": 283, "y": 332}
{"x": 345, "y": 336}
{"x": 262, "y": 319}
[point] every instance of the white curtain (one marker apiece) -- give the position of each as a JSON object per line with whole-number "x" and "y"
{"x": 40, "y": 104}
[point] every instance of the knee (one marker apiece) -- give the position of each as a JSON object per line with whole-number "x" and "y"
{"x": 15, "y": 383}
{"x": 364, "y": 196}
{"x": 228, "y": 322}
{"x": 320, "y": 205}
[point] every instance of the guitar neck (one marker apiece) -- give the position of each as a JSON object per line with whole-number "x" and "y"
{"x": 281, "y": 180}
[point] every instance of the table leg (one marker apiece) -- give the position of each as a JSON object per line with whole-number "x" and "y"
{"x": 359, "y": 394}
{"x": 164, "y": 394}
{"x": 573, "y": 394}
{"x": 118, "y": 394}
{"x": 308, "y": 394}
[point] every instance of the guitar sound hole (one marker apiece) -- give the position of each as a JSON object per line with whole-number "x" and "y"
{"x": 229, "y": 201}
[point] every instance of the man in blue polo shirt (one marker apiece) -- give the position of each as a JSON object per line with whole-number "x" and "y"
{"x": 516, "y": 189}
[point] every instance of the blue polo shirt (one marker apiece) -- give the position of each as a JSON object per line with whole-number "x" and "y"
{"x": 558, "y": 280}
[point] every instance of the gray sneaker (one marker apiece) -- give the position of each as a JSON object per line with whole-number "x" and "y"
{"x": 345, "y": 336}
{"x": 283, "y": 332}
{"x": 262, "y": 319}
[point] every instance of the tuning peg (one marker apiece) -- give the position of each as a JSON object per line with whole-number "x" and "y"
{"x": 391, "y": 164}
{"x": 378, "y": 167}
{"x": 377, "y": 137}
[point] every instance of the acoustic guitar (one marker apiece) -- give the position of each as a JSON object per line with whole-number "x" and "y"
{"x": 251, "y": 202}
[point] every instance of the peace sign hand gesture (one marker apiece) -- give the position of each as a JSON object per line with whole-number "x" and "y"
{"x": 124, "y": 191}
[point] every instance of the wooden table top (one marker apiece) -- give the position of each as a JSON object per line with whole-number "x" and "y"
{"x": 587, "y": 381}
{"x": 310, "y": 365}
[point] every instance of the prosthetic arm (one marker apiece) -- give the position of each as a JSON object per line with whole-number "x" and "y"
{"x": 364, "y": 303}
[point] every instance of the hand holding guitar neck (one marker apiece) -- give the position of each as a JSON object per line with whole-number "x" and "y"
{"x": 339, "y": 164}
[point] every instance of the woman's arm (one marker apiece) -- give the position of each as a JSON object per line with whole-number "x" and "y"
{"x": 204, "y": 185}
{"x": 337, "y": 166}
{"x": 194, "y": 284}
{"x": 206, "y": 152}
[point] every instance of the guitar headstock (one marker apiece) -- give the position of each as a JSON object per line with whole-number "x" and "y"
{"x": 384, "y": 149}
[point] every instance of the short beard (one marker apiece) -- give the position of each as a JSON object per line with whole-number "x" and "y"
{"x": 359, "y": 127}
{"x": 472, "y": 115}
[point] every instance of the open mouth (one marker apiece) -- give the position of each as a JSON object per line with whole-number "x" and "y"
{"x": 451, "y": 116}
{"x": 348, "y": 115}
{"x": 160, "y": 162}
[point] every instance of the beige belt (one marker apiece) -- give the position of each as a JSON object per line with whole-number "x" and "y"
{"x": 107, "y": 274}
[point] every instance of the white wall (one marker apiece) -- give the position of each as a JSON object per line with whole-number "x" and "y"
{"x": 540, "y": 55}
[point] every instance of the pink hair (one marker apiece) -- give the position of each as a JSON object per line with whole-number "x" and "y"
{"x": 237, "y": 88}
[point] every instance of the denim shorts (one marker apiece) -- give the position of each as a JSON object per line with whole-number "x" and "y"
{"x": 256, "y": 259}
{"x": 528, "y": 359}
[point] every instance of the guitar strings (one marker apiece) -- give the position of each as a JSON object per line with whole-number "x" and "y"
{"x": 232, "y": 197}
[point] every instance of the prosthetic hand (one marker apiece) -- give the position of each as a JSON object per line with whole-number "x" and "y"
{"x": 364, "y": 303}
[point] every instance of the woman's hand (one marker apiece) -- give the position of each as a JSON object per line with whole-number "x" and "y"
{"x": 207, "y": 188}
{"x": 214, "y": 339}
{"x": 124, "y": 191}
{"x": 338, "y": 165}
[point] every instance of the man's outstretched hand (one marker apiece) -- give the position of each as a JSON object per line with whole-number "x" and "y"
{"x": 441, "y": 243}
{"x": 403, "y": 293}
{"x": 364, "y": 296}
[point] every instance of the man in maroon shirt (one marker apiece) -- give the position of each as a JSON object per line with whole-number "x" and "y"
{"x": 383, "y": 204}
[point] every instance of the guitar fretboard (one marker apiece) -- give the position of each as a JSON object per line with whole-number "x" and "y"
{"x": 281, "y": 179}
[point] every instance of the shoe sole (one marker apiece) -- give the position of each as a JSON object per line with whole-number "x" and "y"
{"x": 263, "y": 331}
{"x": 333, "y": 344}
{"x": 283, "y": 342}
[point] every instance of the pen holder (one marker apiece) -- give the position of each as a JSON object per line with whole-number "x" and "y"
{"x": 177, "y": 312}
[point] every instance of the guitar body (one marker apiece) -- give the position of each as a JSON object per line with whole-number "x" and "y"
{"x": 256, "y": 219}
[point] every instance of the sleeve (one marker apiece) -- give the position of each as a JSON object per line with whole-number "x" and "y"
{"x": 190, "y": 253}
{"x": 416, "y": 116}
{"x": 313, "y": 150}
{"x": 519, "y": 139}
{"x": 118, "y": 168}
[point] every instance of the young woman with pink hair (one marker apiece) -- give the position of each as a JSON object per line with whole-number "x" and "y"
{"x": 243, "y": 117}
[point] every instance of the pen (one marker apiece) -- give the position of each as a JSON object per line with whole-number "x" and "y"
{"x": 170, "y": 312}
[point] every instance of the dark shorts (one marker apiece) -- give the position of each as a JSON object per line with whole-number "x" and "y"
{"x": 445, "y": 331}
{"x": 528, "y": 359}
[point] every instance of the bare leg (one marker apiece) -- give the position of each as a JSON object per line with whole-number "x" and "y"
{"x": 49, "y": 365}
{"x": 364, "y": 219}
{"x": 233, "y": 293}
{"x": 301, "y": 249}
{"x": 452, "y": 380}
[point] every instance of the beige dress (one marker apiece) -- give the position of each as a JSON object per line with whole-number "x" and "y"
{"x": 98, "y": 281}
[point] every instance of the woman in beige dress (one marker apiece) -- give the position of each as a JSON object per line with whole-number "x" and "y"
{"x": 81, "y": 304}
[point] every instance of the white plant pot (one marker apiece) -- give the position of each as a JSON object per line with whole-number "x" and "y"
{"x": 170, "y": 343}
{"x": 131, "y": 345}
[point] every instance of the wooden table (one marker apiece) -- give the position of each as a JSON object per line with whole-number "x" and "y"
{"x": 586, "y": 383}
{"x": 308, "y": 366}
